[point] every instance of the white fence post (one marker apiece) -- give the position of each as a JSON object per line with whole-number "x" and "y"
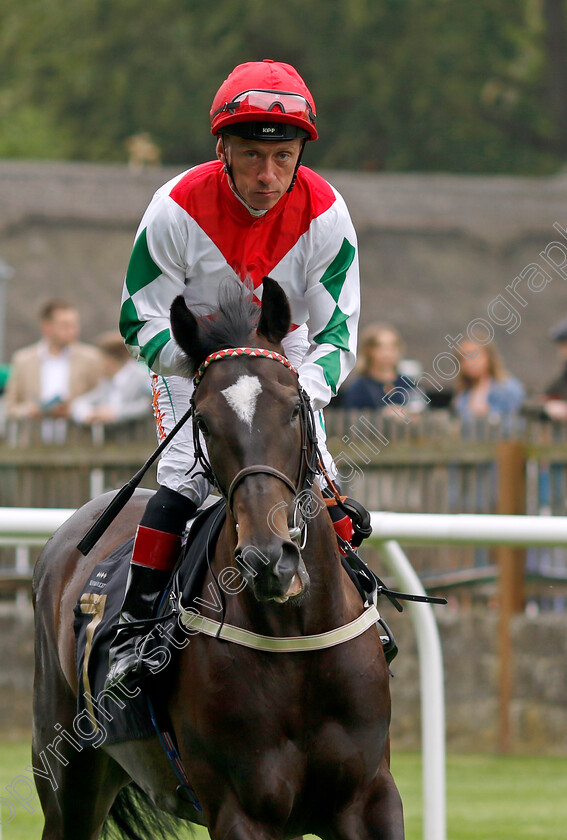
{"x": 431, "y": 691}
{"x": 23, "y": 567}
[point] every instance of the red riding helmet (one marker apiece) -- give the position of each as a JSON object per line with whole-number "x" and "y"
{"x": 264, "y": 100}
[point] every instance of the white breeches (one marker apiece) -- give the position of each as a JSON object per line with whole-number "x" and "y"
{"x": 171, "y": 401}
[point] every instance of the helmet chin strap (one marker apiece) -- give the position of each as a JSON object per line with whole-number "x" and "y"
{"x": 297, "y": 165}
{"x": 227, "y": 166}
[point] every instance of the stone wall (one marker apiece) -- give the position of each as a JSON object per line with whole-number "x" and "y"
{"x": 471, "y": 666}
{"x": 538, "y": 718}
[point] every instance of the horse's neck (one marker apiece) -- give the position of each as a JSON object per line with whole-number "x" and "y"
{"x": 329, "y": 594}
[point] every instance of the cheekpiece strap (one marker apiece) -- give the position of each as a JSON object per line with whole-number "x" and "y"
{"x": 233, "y": 352}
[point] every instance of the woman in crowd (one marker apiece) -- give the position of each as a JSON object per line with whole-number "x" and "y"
{"x": 380, "y": 384}
{"x": 484, "y": 388}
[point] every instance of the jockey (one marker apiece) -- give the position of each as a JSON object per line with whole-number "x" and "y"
{"x": 251, "y": 212}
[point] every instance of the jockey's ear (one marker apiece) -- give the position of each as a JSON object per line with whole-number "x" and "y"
{"x": 185, "y": 329}
{"x": 275, "y": 319}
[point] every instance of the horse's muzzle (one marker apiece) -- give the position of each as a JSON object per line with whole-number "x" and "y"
{"x": 276, "y": 573}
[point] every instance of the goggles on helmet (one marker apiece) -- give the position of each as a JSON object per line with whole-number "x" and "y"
{"x": 269, "y": 101}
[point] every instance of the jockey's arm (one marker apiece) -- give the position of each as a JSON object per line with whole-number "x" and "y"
{"x": 155, "y": 276}
{"x": 333, "y": 299}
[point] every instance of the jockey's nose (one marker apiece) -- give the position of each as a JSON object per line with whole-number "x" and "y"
{"x": 266, "y": 170}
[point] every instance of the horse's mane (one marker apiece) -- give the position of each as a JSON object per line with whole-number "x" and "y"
{"x": 231, "y": 325}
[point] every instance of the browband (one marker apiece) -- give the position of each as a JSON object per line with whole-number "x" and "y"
{"x": 233, "y": 352}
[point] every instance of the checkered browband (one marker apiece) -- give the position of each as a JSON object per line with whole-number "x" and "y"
{"x": 232, "y": 352}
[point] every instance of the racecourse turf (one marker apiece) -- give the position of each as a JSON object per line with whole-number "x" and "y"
{"x": 488, "y": 797}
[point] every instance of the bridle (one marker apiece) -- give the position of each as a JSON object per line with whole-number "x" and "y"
{"x": 255, "y": 469}
{"x": 310, "y": 455}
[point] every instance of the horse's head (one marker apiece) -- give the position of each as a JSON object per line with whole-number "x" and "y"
{"x": 249, "y": 412}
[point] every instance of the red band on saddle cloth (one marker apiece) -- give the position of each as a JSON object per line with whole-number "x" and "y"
{"x": 344, "y": 529}
{"x": 155, "y": 549}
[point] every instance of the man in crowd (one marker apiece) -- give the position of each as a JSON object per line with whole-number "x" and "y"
{"x": 46, "y": 376}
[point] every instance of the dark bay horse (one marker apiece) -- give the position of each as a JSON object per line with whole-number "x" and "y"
{"x": 275, "y": 744}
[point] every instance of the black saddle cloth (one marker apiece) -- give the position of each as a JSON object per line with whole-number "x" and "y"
{"x": 120, "y": 715}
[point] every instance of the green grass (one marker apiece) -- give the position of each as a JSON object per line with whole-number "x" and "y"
{"x": 488, "y": 797}
{"x": 491, "y": 797}
{"x": 14, "y": 758}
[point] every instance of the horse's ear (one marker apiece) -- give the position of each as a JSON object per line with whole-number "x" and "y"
{"x": 185, "y": 329}
{"x": 275, "y": 319}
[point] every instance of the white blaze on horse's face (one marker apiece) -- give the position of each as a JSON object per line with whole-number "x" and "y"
{"x": 242, "y": 397}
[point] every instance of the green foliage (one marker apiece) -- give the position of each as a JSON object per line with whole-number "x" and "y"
{"x": 399, "y": 84}
{"x": 27, "y": 131}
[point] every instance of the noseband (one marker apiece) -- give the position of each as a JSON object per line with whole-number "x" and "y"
{"x": 309, "y": 449}
{"x": 254, "y": 469}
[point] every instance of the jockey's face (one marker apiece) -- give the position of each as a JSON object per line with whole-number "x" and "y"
{"x": 262, "y": 170}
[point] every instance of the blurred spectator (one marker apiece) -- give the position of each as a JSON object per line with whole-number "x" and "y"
{"x": 555, "y": 398}
{"x": 125, "y": 391}
{"x": 484, "y": 388}
{"x": 380, "y": 383}
{"x": 46, "y": 376}
{"x": 142, "y": 151}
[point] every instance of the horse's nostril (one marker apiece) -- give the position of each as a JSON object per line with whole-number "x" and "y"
{"x": 288, "y": 559}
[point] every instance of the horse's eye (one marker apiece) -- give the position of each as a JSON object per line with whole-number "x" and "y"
{"x": 202, "y": 426}
{"x": 295, "y": 412}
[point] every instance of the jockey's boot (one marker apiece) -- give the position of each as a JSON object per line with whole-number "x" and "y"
{"x": 154, "y": 555}
{"x": 153, "y": 558}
